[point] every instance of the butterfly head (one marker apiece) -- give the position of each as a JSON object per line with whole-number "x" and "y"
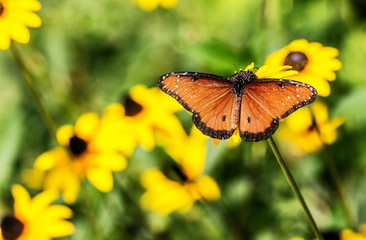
{"x": 240, "y": 78}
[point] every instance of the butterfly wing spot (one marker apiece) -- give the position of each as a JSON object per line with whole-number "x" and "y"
{"x": 223, "y": 118}
{"x": 218, "y": 134}
{"x": 249, "y": 119}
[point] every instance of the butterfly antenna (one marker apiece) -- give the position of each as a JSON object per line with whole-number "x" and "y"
{"x": 236, "y": 68}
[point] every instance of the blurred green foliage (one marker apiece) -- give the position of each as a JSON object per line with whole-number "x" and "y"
{"x": 87, "y": 54}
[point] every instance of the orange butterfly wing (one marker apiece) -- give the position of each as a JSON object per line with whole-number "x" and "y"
{"x": 209, "y": 97}
{"x": 266, "y": 101}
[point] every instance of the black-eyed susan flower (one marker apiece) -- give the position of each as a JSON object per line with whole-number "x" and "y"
{"x": 148, "y": 112}
{"x": 82, "y": 154}
{"x": 315, "y": 63}
{"x": 151, "y": 5}
{"x": 164, "y": 195}
{"x": 15, "y": 18}
{"x": 36, "y": 218}
{"x": 308, "y": 129}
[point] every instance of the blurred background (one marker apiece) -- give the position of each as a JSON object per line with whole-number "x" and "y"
{"x": 88, "y": 54}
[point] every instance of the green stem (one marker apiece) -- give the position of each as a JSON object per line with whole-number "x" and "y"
{"x": 294, "y": 187}
{"x": 26, "y": 76}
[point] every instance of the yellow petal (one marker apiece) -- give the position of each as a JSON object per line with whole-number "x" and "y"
{"x": 65, "y": 179}
{"x": 60, "y": 228}
{"x": 64, "y": 133}
{"x": 21, "y": 201}
{"x": 268, "y": 71}
{"x": 33, "y": 178}
{"x": 19, "y": 33}
{"x": 4, "y": 38}
{"x": 100, "y": 179}
{"x": 249, "y": 67}
{"x": 299, "y": 121}
{"x": 166, "y": 197}
{"x": 28, "y": 19}
{"x": 30, "y": 5}
{"x": 86, "y": 125}
{"x": 147, "y": 5}
{"x": 112, "y": 161}
{"x": 151, "y": 177}
{"x": 168, "y": 3}
{"x": 49, "y": 159}
{"x": 56, "y": 212}
{"x": 41, "y": 201}
{"x": 208, "y": 188}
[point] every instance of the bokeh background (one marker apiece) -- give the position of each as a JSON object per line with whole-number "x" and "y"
{"x": 88, "y": 54}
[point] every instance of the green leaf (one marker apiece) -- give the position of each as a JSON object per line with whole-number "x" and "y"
{"x": 352, "y": 108}
{"x": 10, "y": 137}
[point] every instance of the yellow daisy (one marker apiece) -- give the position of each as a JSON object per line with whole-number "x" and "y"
{"x": 36, "y": 218}
{"x": 308, "y": 129}
{"x": 314, "y": 62}
{"x": 81, "y": 155}
{"x": 151, "y": 5}
{"x": 165, "y": 195}
{"x": 15, "y": 18}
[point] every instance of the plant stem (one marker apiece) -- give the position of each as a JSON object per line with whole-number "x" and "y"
{"x": 294, "y": 187}
{"x": 26, "y": 76}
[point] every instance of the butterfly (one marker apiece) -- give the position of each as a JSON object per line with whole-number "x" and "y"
{"x": 221, "y": 105}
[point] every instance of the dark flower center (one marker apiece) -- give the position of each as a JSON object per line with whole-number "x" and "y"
{"x": 1, "y": 8}
{"x": 313, "y": 126}
{"x": 77, "y": 145}
{"x": 297, "y": 60}
{"x": 132, "y": 108}
{"x": 175, "y": 173}
{"x": 11, "y": 227}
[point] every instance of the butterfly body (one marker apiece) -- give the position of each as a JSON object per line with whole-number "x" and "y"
{"x": 222, "y": 105}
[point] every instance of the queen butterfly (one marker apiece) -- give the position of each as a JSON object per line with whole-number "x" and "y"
{"x": 243, "y": 101}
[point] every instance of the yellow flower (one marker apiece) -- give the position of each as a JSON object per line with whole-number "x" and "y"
{"x": 80, "y": 155}
{"x": 36, "y": 218}
{"x": 148, "y": 112}
{"x": 314, "y": 62}
{"x": 164, "y": 195}
{"x": 15, "y": 17}
{"x": 151, "y": 5}
{"x": 308, "y": 129}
